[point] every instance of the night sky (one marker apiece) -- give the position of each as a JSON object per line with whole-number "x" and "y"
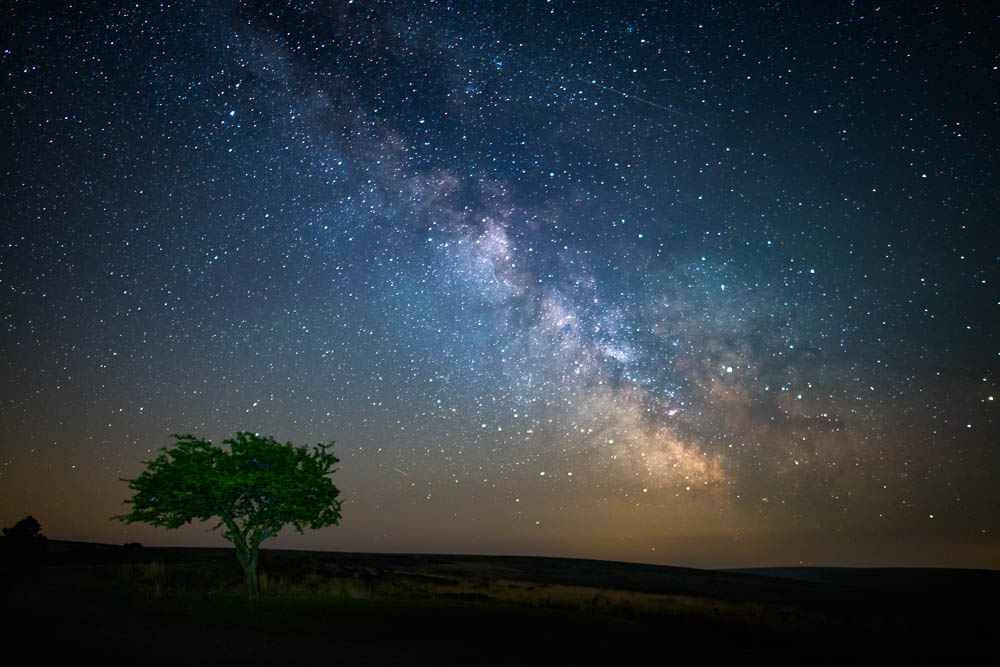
{"x": 680, "y": 283}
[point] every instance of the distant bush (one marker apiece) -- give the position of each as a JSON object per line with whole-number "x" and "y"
{"x": 23, "y": 543}
{"x": 132, "y": 546}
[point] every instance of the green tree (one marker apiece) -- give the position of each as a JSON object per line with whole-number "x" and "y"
{"x": 254, "y": 489}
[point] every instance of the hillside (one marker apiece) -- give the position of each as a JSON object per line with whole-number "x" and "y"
{"x": 186, "y": 605}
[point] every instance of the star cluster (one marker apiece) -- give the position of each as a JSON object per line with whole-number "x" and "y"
{"x": 702, "y": 285}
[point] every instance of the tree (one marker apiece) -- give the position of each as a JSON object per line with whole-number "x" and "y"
{"x": 23, "y": 543}
{"x": 26, "y": 530}
{"x": 254, "y": 489}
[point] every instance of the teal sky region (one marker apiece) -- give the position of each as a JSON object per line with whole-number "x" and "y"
{"x": 682, "y": 283}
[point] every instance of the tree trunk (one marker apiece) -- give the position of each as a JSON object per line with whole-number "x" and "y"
{"x": 252, "y": 584}
{"x": 248, "y": 559}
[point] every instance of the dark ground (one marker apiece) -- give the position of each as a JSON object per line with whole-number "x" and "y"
{"x": 186, "y": 606}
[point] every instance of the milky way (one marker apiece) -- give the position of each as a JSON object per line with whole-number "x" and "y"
{"x": 680, "y": 284}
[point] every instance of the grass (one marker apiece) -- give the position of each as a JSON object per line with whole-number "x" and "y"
{"x": 388, "y": 618}
{"x": 405, "y": 611}
{"x": 377, "y": 609}
{"x": 158, "y": 580}
{"x": 192, "y": 607}
{"x": 315, "y": 586}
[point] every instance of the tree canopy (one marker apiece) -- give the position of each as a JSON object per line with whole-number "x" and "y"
{"x": 254, "y": 489}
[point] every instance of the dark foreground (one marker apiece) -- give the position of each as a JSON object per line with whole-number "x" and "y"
{"x": 186, "y": 606}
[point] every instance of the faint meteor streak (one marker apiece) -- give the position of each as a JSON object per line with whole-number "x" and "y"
{"x": 630, "y": 96}
{"x": 400, "y": 471}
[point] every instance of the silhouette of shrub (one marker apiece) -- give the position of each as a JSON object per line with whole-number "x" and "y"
{"x": 23, "y": 543}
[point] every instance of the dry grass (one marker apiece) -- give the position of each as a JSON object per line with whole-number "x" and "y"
{"x": 157, "y": 578}
{"x": 316, "y": 584}
{"x": 323, "y": 580}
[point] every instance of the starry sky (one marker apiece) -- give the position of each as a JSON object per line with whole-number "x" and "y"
{"x": 683, "y": 283}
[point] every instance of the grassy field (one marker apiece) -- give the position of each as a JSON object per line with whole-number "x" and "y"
{"x": 188, "y": 606}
